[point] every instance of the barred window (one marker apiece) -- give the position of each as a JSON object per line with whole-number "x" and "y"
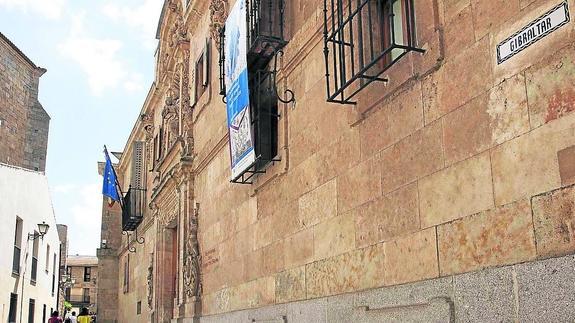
{"x": 362, "y": 40}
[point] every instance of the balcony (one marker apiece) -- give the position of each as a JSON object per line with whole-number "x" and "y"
{"x": 265, "y": 23}
{"x": 79, "y": 299}
{"x": 133, "y": 208}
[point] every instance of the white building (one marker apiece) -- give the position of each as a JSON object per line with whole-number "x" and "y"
{"x": 29, "y": 266}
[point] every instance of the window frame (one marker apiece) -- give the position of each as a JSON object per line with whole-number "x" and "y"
{"x": 17, "y": 253}
{"x": 353, "y": 60}
{"x": 87, "y": 274}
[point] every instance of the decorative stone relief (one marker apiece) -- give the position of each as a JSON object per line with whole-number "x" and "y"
{"x": 218, "y": 16}
{"x": 151, "y": 282}
{"x": 192, "y": 257}
{"x": 171, "y": 118}
{"x": 148, "y": 126}
{"x": 187, "y": 112}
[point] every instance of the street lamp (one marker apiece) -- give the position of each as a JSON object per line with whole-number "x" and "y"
{"x": 42, "y": 230}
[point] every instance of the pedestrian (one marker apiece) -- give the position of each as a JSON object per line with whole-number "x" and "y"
{"x": 55, "y": 318}
{"x": 71, "y": 318}
{"x": 84, "y": 316}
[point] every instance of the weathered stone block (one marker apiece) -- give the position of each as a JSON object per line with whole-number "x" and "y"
{"x": 453, "y": 7}
{"x": 399, "y": 117}
{"x": 318, "y": 205}
{"x": 290, "y": 285}
{"x": 487, "y": 120}
{"x": 488, "y": 15}
{"x": 500, "y": 236}
{"x": 456, "y": 88}
{"x": 273, "y": 258}
{"x": 334, "y": 236}
{"x": 411, "y": 258}
{"x": 412, "y": 158}
{"x": 360, "y": 184}
{"x": 385, "y": 218}
{"x": 299, "y": 248}
{"x": 247, "y": 213}
{"x": 508, "y": 110}
{"x": 551, "y": 88}
{"x": 459, "y": 32}
{"x": 466, "y": 131}
{"x": 356, "y": 270}
{"x": 463, "y": 189}
{"x": 527, "y": 165}
{"x": 554, "y": 220}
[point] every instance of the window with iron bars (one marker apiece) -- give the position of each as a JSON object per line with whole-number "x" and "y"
{"x": 265, "y": 39}
{"x": 362, "y": 40}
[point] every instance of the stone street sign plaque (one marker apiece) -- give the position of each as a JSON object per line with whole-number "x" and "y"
{"x": 534, "y": 31}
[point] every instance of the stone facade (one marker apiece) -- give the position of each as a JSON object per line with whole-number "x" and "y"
{"x": 23, "y": 122}
{"x": 83, "y": 271}
{"x": 455, "y": 166}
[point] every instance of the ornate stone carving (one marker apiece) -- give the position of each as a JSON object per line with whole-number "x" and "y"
{"x": 151, "y": 282}
{"x": 171, "y": 118}
{"x": 192, "y": 258}
{"x": 148, "y": 126}
{"x": 178, "y": 33}
{"x": 218, "y": 16}
{"x": 187, "y": 112}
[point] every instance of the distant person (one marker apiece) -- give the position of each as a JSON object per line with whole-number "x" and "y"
{"x": 71, "y": 318}
{"x": 84, "y": 316}
{"x": 55, "y": 318}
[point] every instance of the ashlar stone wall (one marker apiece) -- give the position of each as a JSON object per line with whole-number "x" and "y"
{"x": 23, "y": 122}
{"x": 456, "y": 165}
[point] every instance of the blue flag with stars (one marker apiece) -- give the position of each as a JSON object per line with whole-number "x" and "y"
{"x": 109, "y": 188}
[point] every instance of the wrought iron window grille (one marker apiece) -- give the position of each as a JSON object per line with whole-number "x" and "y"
{"x": 265, "y": 41}
{"x": 362, "y": 40}
{"x": 265, "y": 37}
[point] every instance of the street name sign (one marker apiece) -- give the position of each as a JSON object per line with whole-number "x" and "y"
{"x": 533, "y": 32}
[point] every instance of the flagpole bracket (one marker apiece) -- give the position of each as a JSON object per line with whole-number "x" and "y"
{"x": 139, "y": 240}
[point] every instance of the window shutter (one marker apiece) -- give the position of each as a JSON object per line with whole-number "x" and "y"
{"x": 137, "y": 164}
{"x": 206, "y": 63}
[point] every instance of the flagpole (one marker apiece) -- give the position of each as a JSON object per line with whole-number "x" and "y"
{"x": 121, "y": 201}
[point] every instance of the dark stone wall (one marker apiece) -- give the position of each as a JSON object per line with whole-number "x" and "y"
{"x": 24, "y": 123}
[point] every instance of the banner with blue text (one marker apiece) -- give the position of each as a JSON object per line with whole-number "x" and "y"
{"x": 242, "y": 152}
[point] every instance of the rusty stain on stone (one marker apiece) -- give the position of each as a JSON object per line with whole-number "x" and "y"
{"x": 560, "y": 103}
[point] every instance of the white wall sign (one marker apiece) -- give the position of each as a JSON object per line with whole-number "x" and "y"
{"x": 534, "y": 31}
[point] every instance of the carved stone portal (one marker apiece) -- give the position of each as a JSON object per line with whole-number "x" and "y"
{"x": 192, "y": 257}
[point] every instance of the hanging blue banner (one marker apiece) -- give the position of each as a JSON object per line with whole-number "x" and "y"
{"x": 242, "y": 151}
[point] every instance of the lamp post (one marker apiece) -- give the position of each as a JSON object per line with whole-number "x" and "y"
{"x": 42, "y": 230}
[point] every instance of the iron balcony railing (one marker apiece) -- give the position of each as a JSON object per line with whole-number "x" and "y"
{"x": 82, "y": 299}
{"x": 265, "y": 30}
{"x": 362, "y": 40}
{"x": 16, "y": 260}
{"x": 265, "y": 36}
{"x": 133, "y": 208}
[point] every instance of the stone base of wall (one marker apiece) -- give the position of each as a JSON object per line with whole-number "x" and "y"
{"x": 539, "y": 291}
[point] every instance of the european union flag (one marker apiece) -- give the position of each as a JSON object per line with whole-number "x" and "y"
{"x": 109, "y": 188}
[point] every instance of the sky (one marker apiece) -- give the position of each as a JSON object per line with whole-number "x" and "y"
{"x": 100, "y": 60}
